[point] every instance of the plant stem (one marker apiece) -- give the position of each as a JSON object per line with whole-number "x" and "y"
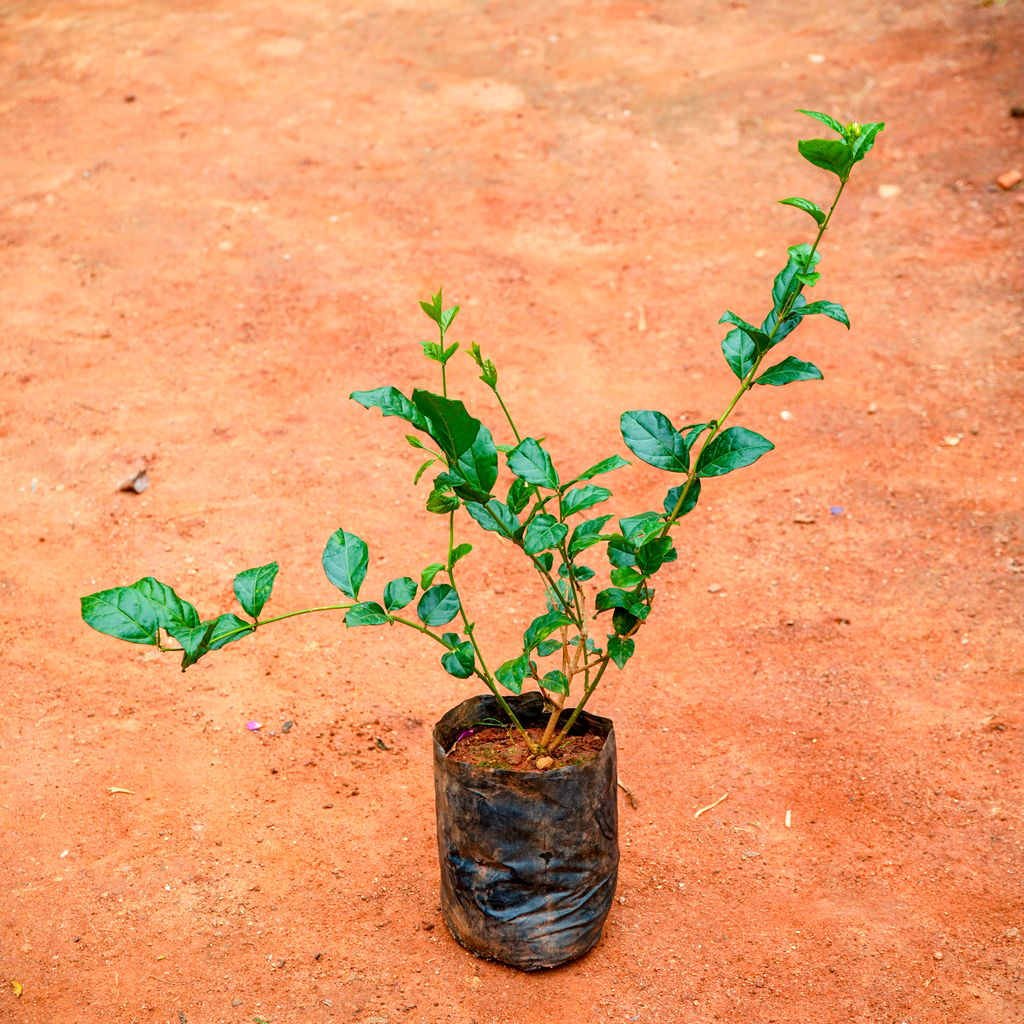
{"x": 588, "y": 690}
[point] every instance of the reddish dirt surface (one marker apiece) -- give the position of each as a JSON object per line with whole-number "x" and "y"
{"x": 217, "y": 219}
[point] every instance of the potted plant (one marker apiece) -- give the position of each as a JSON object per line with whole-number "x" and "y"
{"x": 525, "y": 776}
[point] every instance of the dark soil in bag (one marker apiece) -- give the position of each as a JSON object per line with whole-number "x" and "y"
{"x": 529, "y": 859}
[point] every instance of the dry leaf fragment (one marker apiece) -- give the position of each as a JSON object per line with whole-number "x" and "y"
{"x": 17, "y": 988}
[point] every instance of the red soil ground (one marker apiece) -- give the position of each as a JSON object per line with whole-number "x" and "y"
{"x": 216, "y": 221}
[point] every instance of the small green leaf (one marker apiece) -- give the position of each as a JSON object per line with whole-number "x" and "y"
{"x": 227, "y": 629}
{"x": 512, "y": 673}
{"x": 555, "y": 681}
{"x": 438, "y": 605}
{"x": 542, "y": 627}
{"x": 830, "y": 309}
{"x": 548, "y": 647}
{"x": 432, "y": 350}
{"x": 544, "y": 532}
{"x": 345, "y": 561}
{"x": 195, "y": 642}
{"x": 620, "y": 649}
{"x": 414, "y": 441}
{"x": 545, "y": 560}
{"x": 391, "y": 402}
{"x": 490, "y": 373}
{"x": 627, "y": 576}
{"x": 423, "y": 468}
{"x": 733, "y": 448}
{"x": 460, "y": 551}
{"x": 758, "y": 337}
{"x": 398, "y": 593}
{"x": 581, "y": 572}
{"x": 825, "y": 119}
{"x": 531, "y": 463}
{"x": 428, "y": 574}
{"x": 494, "y": 516}
{"x": 637, "y": 529}
{"x": 123, "y": 613}
{"x": 790, "y": 369}
{"x": 692, "y": 496}
{"x": 442, "y": 502}
{"x": 654, "y": 553}
{"x": 624, "y": 623}
{"x": 518, "y": 496}
{"x": 863, "y": 143}
{"x": 692, "y": 433}
{"x": 651, "y": 437}
{"x": 807, "y": 206}
{"x": 367, "y": 613}
{"x": 253, "y": 588}
{"x": 447, "y": 353}
{"x": 616, "y": 597}
{"x": 460, "y": 661}
{"x": 740, "y": 353}
{"x": 604, "y": 466}
{"x": 581, "y": 498}
{"x": 586, "y": 535}
{"x": 621, "y": 552}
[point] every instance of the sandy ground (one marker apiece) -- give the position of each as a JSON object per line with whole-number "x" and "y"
{"x": 217, "y": 219}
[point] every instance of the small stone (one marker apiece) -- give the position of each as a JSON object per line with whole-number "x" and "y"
{"x": 544, "y": 763}
{"x": 714, "y": 588}
{"x": 751, "y": 854}
{"x": 1010, "y": 179}
{"x": 236, "y": 1002}
{"x": 1012, "y": 933}
{"x": 938, "y": 955}
{"x": 803, "y": 518}
{"x": 889, "y": 191}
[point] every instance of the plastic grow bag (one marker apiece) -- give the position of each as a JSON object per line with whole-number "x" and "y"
{"x": 529, "y": 860}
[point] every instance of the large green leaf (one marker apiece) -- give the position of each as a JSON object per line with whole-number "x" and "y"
{"x": 586, "y": 535}
{"x": 398, "y": 593}
{"x": 494, "y": 516}
{"x": 740, "y": 353}
{"x": 542, "y": 627}
{"x": 543, "y": 533}
{"x": 171, "y": 610}
{"x": 438, "y": 605}
{"x": 580, "y": 498}
{"x": 346, "y": 560}
{"x": 790, "y": 369}
{"x": 253, "y": 587}
{"x": 733, "y": 448}
{"x": 530, "y": 462}
{"x": 832, "y": 155}
{"x": 391, "y": 402}
{"x": 124, "y": 613}
{"x": 465, "y": 441}
{"x": 651, "y": 437}
{"x": 654, "y": 553}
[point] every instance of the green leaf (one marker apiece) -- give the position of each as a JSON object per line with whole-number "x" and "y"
{"x": 621, "y": 552}
{"x": 825, "y": 119}
{"x": 604, "y": 466}
{"x": 391, "y": 402}
{"x": 555, "y": 681}
{"x": 253, "y": 587}
{"x": 545, "y": 560}
{"x": 544, "y": 532}
{"x": 367, "y": 613}
{"x": 733, "y": 448}
{"x": 623, "y": 622}
{"x": 830, "y": 309}
{"x": 531, "y": 463}
{"x": 432, "y": 350}
{"x": 123, "y": 613}
{"x": 651, "y": 437}
{"x": 620, "y": 649}
{"x": 436, "y": 311}
{"x": 414, "y": 441}
{"x": 758, "y": 337}
{"x": 490, "y": 373}
{"x": 518, "y": 496}
{"x": 512, "y": 673}
{"x": 465, "y": 441}
{"x": 653, "y": 554}
{"x": 438, "y": 606}
{"x": 637, "y": 529}
{"x": 586, "y": 535}
{"x": 542, "y": 627}
{"x": 170, "y": 609}
{"x": 460, "y": 551}
{"x": 830, "y": 155}
{"x": 616, "y": 597}
{"x": 790, "y": 369}
{"x": 398, "y": 593}
{"x": 787, "y": 281}
{"x": 627, "y": 576}
{"x": 428, "y": 574}
{"x": 423, "y": 468}
{"x": 345, "y": 561}
{"x": 581, "y": 498}
{"x": 228, "y": 628}
{"x": 442, "y": 502}
{"x": 689, "y": 504}
{"x": 807, "y": 206}
{"x": 692, "y": 433}
{"x": 740, "y": 353}
{"x": 460, "y": 661}
{"x": 548, "y": 647}
{"x": 494, "y": 516}
{"x": 864, "y": 142}
{"x": 581, "y": 572}
{"x": 195, "y": 642}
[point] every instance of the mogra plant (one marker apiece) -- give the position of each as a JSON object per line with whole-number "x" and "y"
{"x": 586, "y": 626}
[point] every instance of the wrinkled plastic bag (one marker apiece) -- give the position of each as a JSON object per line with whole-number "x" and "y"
{"x": 529, "y": 860}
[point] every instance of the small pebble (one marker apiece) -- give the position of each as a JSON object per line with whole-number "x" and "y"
{"x": 1009, "y": 180}
{"x": 714, "y": 588}
{"x": 889, "y": 191}
{"x": 938, "y": 955}
{"x": 544, "y": 762}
